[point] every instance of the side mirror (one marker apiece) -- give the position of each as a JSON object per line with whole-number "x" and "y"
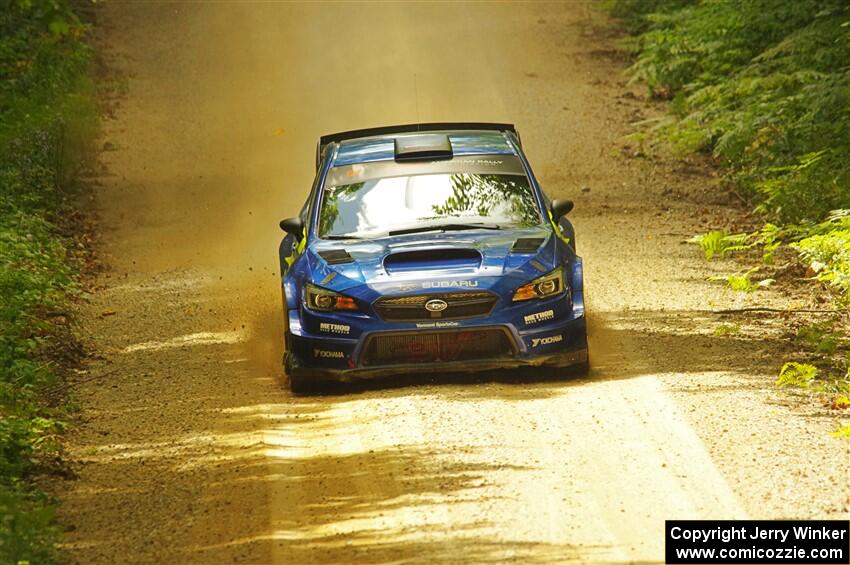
{"x": 294, "y": 227}
{"x": 561, "y": 208}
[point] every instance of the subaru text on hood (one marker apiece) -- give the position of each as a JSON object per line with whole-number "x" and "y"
{"x": 428, "y": 247}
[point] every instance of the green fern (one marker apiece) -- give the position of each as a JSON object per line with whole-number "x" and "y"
{"x": 718, "y": 242}
{"x": 798, "y": 375}
{"x": 711, "y": 243}
{"x": 743, "y": 282}
{"x": 762, "y": 85}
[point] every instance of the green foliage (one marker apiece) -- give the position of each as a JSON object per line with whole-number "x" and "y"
{"x": 26, "y": 522}
{"x": 820, "y": 337}
{"x": 743, "y": 282}
{"x": 826, "y": 249}
{"x": 712, "y": 243}
{"x": 638, "y": 14}
{"x": 44, "y": 118}
{"x": 798, "y": 375}
{"x": 720, "y": 243}
{"x": 726, "y": 329}
{"x": 763, "y": 85}
{"x": 43, "y": 64}
{"x": 769, "y": 238}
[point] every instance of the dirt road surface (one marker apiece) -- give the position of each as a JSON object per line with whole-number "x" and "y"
{"x": 190, "y": 448}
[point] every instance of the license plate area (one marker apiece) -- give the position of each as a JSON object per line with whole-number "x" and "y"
{"x": 437, "y": 347}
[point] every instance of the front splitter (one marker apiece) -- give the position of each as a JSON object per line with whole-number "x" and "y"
{"x": 559, "y": 360}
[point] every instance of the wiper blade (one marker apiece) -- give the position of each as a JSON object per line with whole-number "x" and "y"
{"x": 446, "y": 227}
{"x": 343, "y": 236}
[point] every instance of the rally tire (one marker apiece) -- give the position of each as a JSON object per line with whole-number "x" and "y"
{"x": 580, "y": 369}
{"x": 300, "y": 385}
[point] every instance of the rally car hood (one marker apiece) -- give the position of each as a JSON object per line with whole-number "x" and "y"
{"x": 482, "y": 259}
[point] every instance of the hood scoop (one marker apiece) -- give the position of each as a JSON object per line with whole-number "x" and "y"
{"x": 451, "y": 258}
{"x": 527, "y": 245}
{"x": 336, "y": 256}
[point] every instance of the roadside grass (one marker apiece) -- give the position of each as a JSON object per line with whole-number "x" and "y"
{"x": 764, "y": 88}
{"x": 726, "y": 329}
{"x": 45, "y": 118}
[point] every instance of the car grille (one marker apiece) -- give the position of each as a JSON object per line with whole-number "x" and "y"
{"x": 412, "y": 308}
{"x": 436, "y": 346}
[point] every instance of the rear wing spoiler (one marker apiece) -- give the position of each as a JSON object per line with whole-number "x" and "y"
{"x": 410, "y": 128}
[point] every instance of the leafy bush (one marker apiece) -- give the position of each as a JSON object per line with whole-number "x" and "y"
{"x": 44, "y": 117}
{"x": 826, "y": 249}
{"x": 28, "y": 534}
{"x": 638, "y": 14}
{"x": 764, "y": 86}
{"x": 819, "y": 337}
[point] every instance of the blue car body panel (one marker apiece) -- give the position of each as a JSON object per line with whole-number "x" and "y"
{"x": 333, "y": 345}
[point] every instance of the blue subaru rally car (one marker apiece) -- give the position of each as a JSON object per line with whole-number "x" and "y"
{"x": 426, "y": 248}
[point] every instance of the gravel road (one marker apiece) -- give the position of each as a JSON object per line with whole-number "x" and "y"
{"x": 191, "y": 450}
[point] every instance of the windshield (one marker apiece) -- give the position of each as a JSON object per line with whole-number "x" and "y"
{"x": 377, "y": 207}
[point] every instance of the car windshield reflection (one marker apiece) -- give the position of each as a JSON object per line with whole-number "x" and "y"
{"x": 377, "y": 207}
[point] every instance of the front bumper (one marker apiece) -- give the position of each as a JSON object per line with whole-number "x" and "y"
{"x": 549, "y": 334}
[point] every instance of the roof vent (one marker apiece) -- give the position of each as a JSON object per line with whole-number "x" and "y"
{"x": 427, "y": 147}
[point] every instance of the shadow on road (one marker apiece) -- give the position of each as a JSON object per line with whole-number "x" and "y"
{"x": 200, "y": 421}
{"x": 622, "y": 345}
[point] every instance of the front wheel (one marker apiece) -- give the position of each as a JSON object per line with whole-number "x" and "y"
{"x": 298, "y": 383}
{"x": 303, "y": 385}
{"x": 580, "y": 369}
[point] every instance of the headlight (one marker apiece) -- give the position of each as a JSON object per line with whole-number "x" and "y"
{"x": 543, "y": 287}
{"x": 324, "y": 300}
